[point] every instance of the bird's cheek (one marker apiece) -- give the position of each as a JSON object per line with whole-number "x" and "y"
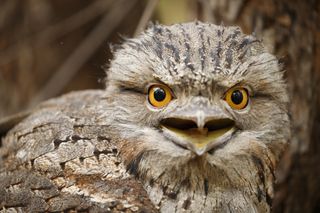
{"x": 130, "y": 107}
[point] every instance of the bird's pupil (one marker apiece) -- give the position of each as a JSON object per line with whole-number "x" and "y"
{"x": 237, "y": 97}
{"x": 159, "y": 94}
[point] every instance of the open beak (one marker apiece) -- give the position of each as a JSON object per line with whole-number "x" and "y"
{"x": 198, "y": 133}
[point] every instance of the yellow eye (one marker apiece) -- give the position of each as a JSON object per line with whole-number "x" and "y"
{"x": 159, "y": 95}
{"x": 237, "y": 98}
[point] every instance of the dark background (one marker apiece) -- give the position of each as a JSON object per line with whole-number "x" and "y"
{"x": 50, "y": 47}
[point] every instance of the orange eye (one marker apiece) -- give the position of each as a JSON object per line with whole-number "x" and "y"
{"x": 237, "y": 98}
{"x": 159, "y": 95}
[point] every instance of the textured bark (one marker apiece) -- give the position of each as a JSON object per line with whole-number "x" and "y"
{"x": 291, "y": 30}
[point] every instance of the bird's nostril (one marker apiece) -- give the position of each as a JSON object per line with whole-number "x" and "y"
{"x": 178, "y": 123}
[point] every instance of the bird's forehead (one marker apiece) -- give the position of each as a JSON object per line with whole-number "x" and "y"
{"x": 194, "y": 55}
{"x": 194, "y": 52}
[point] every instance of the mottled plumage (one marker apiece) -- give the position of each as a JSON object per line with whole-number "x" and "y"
{"x": 92, "y": 145}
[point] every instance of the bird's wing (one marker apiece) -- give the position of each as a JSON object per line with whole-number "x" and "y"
{"x": 61, "y": 157}
{"x": 28, "y": 191}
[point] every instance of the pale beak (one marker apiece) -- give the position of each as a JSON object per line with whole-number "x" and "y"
{"x": 198, "y": 133}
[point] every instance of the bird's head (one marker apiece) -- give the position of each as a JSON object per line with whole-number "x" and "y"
{"x": 197, "y": 101}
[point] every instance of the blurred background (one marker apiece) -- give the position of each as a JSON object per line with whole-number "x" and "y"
{"x": 50, "y": 47}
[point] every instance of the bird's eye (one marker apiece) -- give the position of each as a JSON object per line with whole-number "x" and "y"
{"x": 159, "y": 95}
{"x": 237, "y": 98}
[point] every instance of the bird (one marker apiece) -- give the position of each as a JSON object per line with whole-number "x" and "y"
{"x": 194, "y": 118}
